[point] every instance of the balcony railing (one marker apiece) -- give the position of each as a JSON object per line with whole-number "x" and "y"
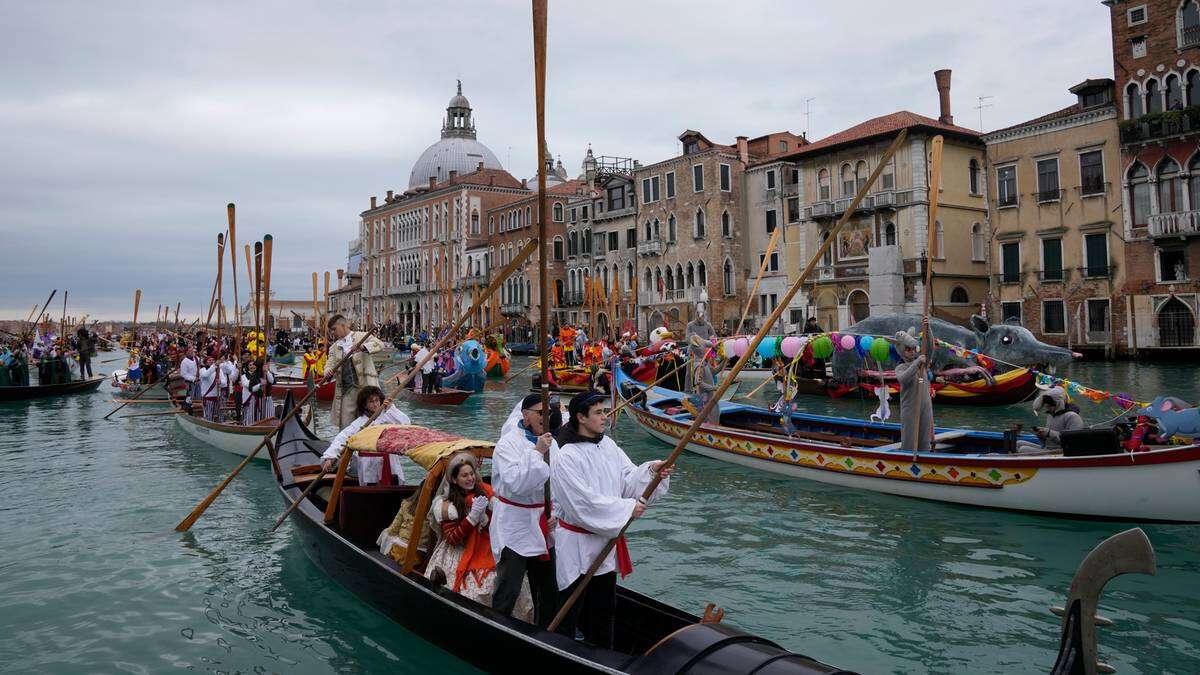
{"x": 1048, "y": 276}
{"x": 408, "y": 288}
{"x": 1096, "y": 271}
{"x": 572, "y": 298}
{"x": 651, "y": 247}
{"x": 791, "y": 189}
{"x": 514, "y": 308}
{"x": 822, "y": 208}
{"x": 1051, "y": 195}
{"x": 1008, "y": 278}
{"x": 1160, "y": 125}
{"x": 1175, "y": 224}
{"x": 1190, "y": 36}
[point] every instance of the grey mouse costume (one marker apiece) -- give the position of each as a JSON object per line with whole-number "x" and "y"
{"x": 1061, "y": 417}
{"x": 916, "y": 405}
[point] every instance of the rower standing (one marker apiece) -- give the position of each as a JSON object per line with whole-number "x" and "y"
{"x": 189, "y": 369}
{"x": 520, "y": 534}
{"x": 211, "y": 380}
{"x": 597, "y": 490}
{"x": 361, "y": 372}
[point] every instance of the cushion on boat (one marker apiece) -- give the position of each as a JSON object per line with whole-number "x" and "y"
{"x": 423, "y": 445}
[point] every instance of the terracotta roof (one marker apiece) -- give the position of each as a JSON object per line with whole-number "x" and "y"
{"x": 1065, "y": 112}
{"x": 880, "y": 126}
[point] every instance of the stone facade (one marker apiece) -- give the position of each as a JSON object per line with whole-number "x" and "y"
{"x": 1156, "y": 52}
{"x": 1058, "y": 259}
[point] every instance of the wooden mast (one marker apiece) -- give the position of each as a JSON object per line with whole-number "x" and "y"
{"x": 540, "y": 12}
{"x": 935, "y": 180}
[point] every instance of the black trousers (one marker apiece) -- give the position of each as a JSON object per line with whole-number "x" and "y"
{"x": 511, "y": 570}
{"x": 594, "y": 612}
{"x": 85, "y": 366}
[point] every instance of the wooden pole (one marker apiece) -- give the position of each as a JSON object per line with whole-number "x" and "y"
{"x": 250, "y": 298}
{"x": 762, "y": 267}
{"x": 402, "y": 382}
{"x": 540, "y": 20}
{"x": 191, "y": 518}
{"x": 137, "y": 301}
{"x": 316, "y": 316}
{"x": 325, "y": 307}
{"x": 62, "y": 332}
{"x": 258, "y": 260}
{"x": 229, "y": 210}
{"x": 731, "y": 376}
{"x": 268, "y": 245}
{"x": 220, "y": 282}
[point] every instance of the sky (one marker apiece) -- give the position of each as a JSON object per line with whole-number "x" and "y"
{"x": 125, "y": 127}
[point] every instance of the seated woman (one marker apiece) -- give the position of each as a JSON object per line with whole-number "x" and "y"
{"x": 463, "y": 556}
{"x": 370, "y": 399}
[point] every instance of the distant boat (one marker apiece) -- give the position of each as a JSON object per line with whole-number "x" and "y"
{"x": 11, "y": 393}
{"x": 443, "y": 397}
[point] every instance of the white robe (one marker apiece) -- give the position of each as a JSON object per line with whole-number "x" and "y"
{"x": 392, "y": 415}
{"x": 228, "y": 374}
{"x": 595, "y": 487}
{"x": 188, "y": 369}
{"x": 519, "y": 474}
{"x": 208, "y": 378}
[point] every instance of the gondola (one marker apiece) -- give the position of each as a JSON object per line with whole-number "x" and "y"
{"x": 650, "y": 636}
{"x": 234, "y": 438}
{"x": 1095, "y": 478}
{"x": 47, "y": 390}
{"x": 443, "y": 397}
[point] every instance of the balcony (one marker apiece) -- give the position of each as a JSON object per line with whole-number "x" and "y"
{"x": 1008, "y": 278}
{"x": 514, "y": 308}
{"x": 404, "y": 289}
{"x": 885, "y": 199}
{"x": 651, "y": 247}
{"x": 791, "y": 189}
{"x": 572, "y": 298}
{"x": 1160, "y": 125}
{"x": 472, "y": 280}
{"x": 1047, "y": 196}
{"x": 1189, "y": 37}
{"x": 1096, "y": 271}
{"x": 822, "y": 208}
{"x": 1177, "y": 224}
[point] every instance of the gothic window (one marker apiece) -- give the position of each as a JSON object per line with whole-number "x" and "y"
{"x": 558, "y": 212}
{"x": 1154, "y": 102}
{"x": 558, "y": 248}
{"x": 823, "y": 184}
{"x": 726, "y": 225}
{"x": 1139, "y": 194}
{"x": 847, "y": 180}
{"x": 727, "y": 277}
{"x": 959, "y": 295}
{"x": 1170, "y": 188}
{"x": 701, "y": 274}
{"x": 860, "y": 174}
{"x": 973, "y": 176}
{"x": 699, "y": 231}
{"x": 1174, "y": 93}
{"x": 889, "y": 234}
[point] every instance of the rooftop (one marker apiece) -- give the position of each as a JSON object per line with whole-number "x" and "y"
{"x": 885, "y": 125}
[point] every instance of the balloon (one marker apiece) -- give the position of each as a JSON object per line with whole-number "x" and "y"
{"x": 864, "y": 345}
{"x": 740, "y": 345}
{"x": 790, "y": 346}
{"x": 766, "y": 348}
{"x": 880, "y": 349}
{"x": 822, "y": 347}
{"x": 848, "y": 343}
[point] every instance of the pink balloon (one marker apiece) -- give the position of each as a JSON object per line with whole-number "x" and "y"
{"x": 791, "y": 346}
{"x": 847, "y": 342}
{"x": 743, "y": 346}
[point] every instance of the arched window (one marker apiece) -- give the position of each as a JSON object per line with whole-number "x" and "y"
{"x": 647, "y": 230}
{"x": 558, "y": 291}
{"x": 527, "y": 216}
{"x": 699, "y": 231}
{"x": 702, "y": 274}
{"x": 648, "y": 280}
{"x": 528, "y": 292}
{"x": 558, "y": 248}
{"x": 726, "y": 225}
{"x": 1133, "y": 101}
{"x": 939, "y": 241}
{"x": 572, "y": 243}
{"x": 1189, "y": 24}
{"x": 847, "y": 180}
{"x": 658, "y": 279}
{"x": 1139, "y": 195}
{"x": 558, "y": 212}
{"x": 691, "y": 276}
{"x": 1194, "y": 182}
{"x": 860, "y": 174}
{"x": 669, "y": 279}
{"x": 959, "y": 295}
{"x": 1174, "y": 93}
{"x": 1154, "y": 101}
{"x": 827, "y": 258}
{"x": 978, "y": 244}
{"x": 587, "y": 240}
{"x": 973, "y": 176}
{"x": 1191, "y": 83}
{"x": 727, "y": 277}
{"x": 658, "y": 231}
{"x": 823, "y": 184}
{"x": 671, "y": 228}
{"x": 889, "y": 234}
{"x": 629, "y": 275}
{"x": 1170, "y": 188}
{"x": 678, "y": 276}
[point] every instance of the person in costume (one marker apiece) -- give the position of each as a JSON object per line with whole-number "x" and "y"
{"x": 916, "y": 404}
{"x": 189, "y": 370}
{"x": 698, "y": 331}
{"x": 370, "y": 400}
{"x": 211, "y": 380}
{"x": 520, "y": 533}
{"x": 360, "y": 373}
{"x": 314, "y": 362}
{"x": 597, "y": 490}
{"x": 256, "y": 390}
{"x": 1060, "y": 416}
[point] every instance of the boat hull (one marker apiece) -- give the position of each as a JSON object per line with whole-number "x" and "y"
{"x": 299, "y": 389}
{"x": 48, "y": 390}
{"x": 235, "y": 439}
{"x": 444, "y": 397}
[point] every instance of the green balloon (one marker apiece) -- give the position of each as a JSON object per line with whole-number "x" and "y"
{"x": 880, "y": 349}
{"x": 822, "y": 347}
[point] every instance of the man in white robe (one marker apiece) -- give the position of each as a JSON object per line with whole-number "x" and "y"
{"x": 521, "y": 544}
{"x": 189, "y": 370}
{"x": 596, "y": 490}
{"x": 370, "y": 399}
{"x": 229, "y": 375}
{"x": 211, "y": 380}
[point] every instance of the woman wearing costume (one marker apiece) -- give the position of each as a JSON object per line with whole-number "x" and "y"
{"x": 916, "y": 404}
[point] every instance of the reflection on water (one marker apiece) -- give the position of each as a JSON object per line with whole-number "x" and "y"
{"x": 93, "y": 579}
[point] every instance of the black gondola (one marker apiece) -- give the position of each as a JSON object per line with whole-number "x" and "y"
{"x": 47, "y": 390}
{"x": 650, "y": 636}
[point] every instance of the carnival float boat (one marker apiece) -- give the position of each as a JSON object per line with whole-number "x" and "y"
{"x": 1095, "y": 480}
{"x": 15, "y": 393}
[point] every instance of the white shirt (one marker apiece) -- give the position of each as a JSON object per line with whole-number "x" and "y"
{"x": 429, "y": 365}
{"x": 392, "y": 415}
{"x": 188, "y": 369}
{"x": 208, "y": 378}
{"x": 228, "y": 373}
{"x": 247, "y": 391}
{"x": 595, "y": 487}
{"x": 519, "y": 474}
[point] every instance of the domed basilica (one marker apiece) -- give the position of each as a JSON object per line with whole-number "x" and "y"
{"x": 458, "y": 150}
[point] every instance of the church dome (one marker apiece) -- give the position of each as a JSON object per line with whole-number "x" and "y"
{"x": 458, "y": 150}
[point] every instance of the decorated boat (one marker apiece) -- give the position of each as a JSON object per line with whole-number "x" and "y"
{"x": 497, "y": 364}
{"x": 284, "y": 359}
{"x": 299, "y": 387}
{"x": 1007, "y": 388}
{"x": 443, "y": 397}
{"x": 15, "y": 393}
{"x": 1095, "y": 478}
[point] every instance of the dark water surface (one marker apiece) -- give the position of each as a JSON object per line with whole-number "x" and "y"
{"x": 93, "y": 579}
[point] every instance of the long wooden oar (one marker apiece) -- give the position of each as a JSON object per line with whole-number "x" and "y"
{"x": 715, "y": 400}
{"x": 510, "y": 378}
{"x": 33, "y": 328}
{"x": 540, "y": 18}
{"x": 762, "y": 268}
{"x": 935, "y": 179}
{"x": 186, "y": 524}
{"x": 233, "y": 268}
{"x": 268, "y": 247}
{"x": 402, "y": 382}
{"x": 136, "y": 397}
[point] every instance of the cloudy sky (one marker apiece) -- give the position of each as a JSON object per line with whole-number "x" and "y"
{"x": 127, "y": 126}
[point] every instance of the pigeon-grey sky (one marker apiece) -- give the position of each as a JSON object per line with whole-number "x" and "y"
{"x": 127, "y": 126}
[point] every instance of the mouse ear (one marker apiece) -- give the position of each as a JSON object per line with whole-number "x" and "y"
{"x": 1166, "y": 406}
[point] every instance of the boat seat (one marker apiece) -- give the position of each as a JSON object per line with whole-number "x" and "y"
{"x": 944, "y": 436}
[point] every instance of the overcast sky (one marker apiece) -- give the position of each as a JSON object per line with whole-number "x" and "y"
{"x": 127, "y": 126}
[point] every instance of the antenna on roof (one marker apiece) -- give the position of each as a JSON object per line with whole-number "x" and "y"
{"x": 983, "y": 103}
{"x": 808, "y": 115}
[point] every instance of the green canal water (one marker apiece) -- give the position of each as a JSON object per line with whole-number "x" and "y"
{"x": 93, "y": 579}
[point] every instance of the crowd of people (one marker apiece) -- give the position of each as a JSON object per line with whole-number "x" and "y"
{"x": 57, "y": 360}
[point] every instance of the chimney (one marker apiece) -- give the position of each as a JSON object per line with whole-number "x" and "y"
{"x": 432, "y": 182}
{"x": 340, "y": 273}
{"x": 524, "y": 183}
{"x": 942, "y": 77}
{"x": 743, "y": 146}
{"x": 480, "y": 167}
{"x": 491, "y": 180}
{"x": 453, "y": 175}
{"x": 389, "y": 197}
{"x": 372, "y": 202}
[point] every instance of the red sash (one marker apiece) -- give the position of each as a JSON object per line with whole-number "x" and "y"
{"x": 541, "y": 522}
{"x": 624, "y": 562}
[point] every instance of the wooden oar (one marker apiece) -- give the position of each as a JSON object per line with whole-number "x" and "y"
{"x": 137, "y": 302}
{"x": 268, "y": 246}
{"x": 212, "y": 300}
{"x": 402, "y": 382}
{"x": 43, "y": 310}
{"x": 325, "y": 307}
{"x": 715, "y": 400}
{"x": 233, "y": 268}
{"x": 151, "y": 414}
{"x": 540, "y": 17}
{"x": 186, "y": 524}
{"x": 258, "y": 261}
{"x": 648, "y": 387}
{"x": 762, "y": 268}
{"x": 315, "y": 315}
{"x": 510, "y": 378}
{"x": 62, "y": 332}
{"x": 136, "y": 397}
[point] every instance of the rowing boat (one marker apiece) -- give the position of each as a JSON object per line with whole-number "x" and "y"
{"x": 443, "y": 397}
{"x": 1008, "y": 388}
{"x": 233, "y": 438}
{"x": 967, "y": 467}
{"x": 300, "y": 387}
{"x": 650, "y": 636}
{"x": 47, "y": 390}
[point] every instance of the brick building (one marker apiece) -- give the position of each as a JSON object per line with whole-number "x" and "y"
{"x": 613, "y": 211}
{"x": 1156, "y": 57}
{"x": 1056, "y": 218}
